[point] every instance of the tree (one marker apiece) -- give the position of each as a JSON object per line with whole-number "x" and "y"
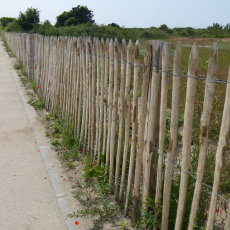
{"x": 5, "y": 20}
{"x": 29, "y": 19}
{"x": 114, "y": 25}
{"x": 78, "y": 15}
{"x": 47, "y": 23}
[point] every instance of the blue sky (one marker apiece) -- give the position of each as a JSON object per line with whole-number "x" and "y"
{"x": 132, "y": 13}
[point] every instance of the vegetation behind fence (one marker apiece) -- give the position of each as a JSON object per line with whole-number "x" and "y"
{"x": 118, "y": 102}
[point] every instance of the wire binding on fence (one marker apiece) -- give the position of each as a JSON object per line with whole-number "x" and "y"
{"x": 203, "y": 78}
{"x": 163, "y": 154}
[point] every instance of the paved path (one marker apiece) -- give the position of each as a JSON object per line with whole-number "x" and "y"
{"x": 27, "y": 200}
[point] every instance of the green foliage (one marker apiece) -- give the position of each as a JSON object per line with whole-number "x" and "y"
{"x": 4, "y": 21}
{"x": 78, "y": 15}
{"x": 28, "y": 19}
{"x": 22, "y": 72}
{"x": 37, "y": 103}
{"x": 47, "y": 23}
{"x": 34, "y": 86}
{"x": 114, "y": 25}
{"x": 166, "y": 29}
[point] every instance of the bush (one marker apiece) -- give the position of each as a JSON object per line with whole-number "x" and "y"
{"x": 13, "y": 27}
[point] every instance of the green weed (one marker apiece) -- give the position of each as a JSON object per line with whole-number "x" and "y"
{"x": 37, "y": 103}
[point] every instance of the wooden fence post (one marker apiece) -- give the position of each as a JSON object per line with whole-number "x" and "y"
{"x": 114, "y": 109}
{"x": 152, "y": 120}
{"x": 222, "y": 144}
{"x": 100, "y": 135}
{"x": 187, "y": 133}
{"x": 81, "y": 85}
{"x": 110, "y": 98}
{"x": 121, "y": 113}
{"x": 127, "y": 116}
{"x": 105, "y": 93}
{"x": 84, "y": 91}
{"x": 98, "y": 93}
{"x": 134, "y": 121}
{"x": 93, "y": 96}
{"x": 140, "y": 144}
{"x": 205, "y": 120}
{"x": 166, "y": 54}
{"x": 173, "y": 136}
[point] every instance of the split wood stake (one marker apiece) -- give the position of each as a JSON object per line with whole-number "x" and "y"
{"x": 173, "y": 136}
{"x": 134, "y": 121}
{"x": 93, "y": 56}
{"x": 121, "y": 113}
{"x": 140, "y": 144}
{"x": 166, "y": 54}
{"x": 88, "y": 49}
{"x": 105, "y": 93}
{"x": 77, "y": 108}
{"x": 114, "y": 111}
{"x": 187, "y": 133}
{"x": 98, "y": 93}
{"x": 205, "y": 121}
{"x": 110, "y": 98}
{"x": 152, "y": 121}
{"x": 84, "y": 87}
{"x": 81, "y": 85}
{"x": 100, "y": 136}
{"x": 89, "y": 91}
{"x": 222, "y": 144}
{"x": 127, "y": 116}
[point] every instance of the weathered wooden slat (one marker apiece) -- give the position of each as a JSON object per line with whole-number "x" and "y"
{"x": 105, "y": 94}
{"x": 121, "y": 113}
{"x": 140, "y": 144}
{"x": 100, "y": 136}
{"x": 84, "y": 86}
{"x": 110, "y": 99}
{"x": 205, "y": 121}
{"x": 152, "y": 120}
{"x": 187, "y": 133}
{"x": 222, "y": 144}
{"x": 166, "y": 54}
{"x": 134, "y": 121}
{"x": 98, "y": 93}
{"x": 81, "y": 85}
{"x": 114, "y": 109}
{"x": 127, "y": 116}
{"x": 93, "y": 96}
{"x": 173, "y": 136}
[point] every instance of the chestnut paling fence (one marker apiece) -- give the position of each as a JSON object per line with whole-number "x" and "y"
{"x": 118, "y": 106}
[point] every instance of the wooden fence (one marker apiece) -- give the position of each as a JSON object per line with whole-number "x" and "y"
{"x": 118, "y": 106}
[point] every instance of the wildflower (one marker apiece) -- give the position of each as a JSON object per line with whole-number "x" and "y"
{"x": 44, "y": 177}
{"x": 76, "y": 222}
{"x": 63, "y": 179}
{"x": 63, "y": 149}
{"x": 38, "y": 150}
{"x": 38, "y": 87}
{"x": 32, "y": 68}
{"x": 217, "y": 210}
{"x": 61, "y": 176}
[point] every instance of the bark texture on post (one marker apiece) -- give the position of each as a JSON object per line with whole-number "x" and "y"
{"x": 187, "y": 133}
{"x": 222, "y": 144}
{"x": 205, "y": 121}
{"x": 173, "y": 136}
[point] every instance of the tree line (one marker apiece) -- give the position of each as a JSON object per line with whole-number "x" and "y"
{"x": 79, "y": 21}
